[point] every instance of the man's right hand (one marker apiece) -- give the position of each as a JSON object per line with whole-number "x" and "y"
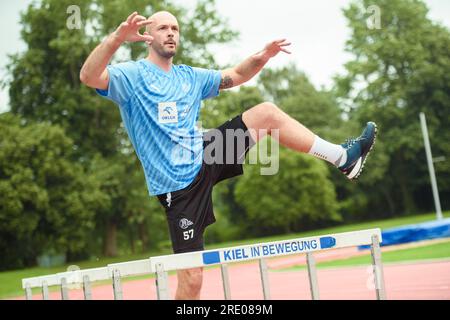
{"x": 94, "y": 72}
{"x": 129, "y": 29}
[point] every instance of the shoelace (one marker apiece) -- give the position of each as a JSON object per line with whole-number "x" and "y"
{"x": 351, "y": 141}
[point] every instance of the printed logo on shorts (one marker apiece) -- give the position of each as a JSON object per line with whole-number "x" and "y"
{"x": 185, "y": 223}
{"x": 169, "y": 199}
{"x": 167, "y": 112}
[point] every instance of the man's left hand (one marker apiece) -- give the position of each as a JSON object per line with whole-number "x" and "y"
{"x": 274, "y": 47}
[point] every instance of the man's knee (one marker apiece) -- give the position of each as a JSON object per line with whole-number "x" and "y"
{"x": 192, "y": 279}
{"x": 272, "y": 114}
{"x": 265, "y": 115}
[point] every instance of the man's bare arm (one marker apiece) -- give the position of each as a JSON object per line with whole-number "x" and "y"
{"x": 94, "y": 73}
{"x": 251, "y": 66}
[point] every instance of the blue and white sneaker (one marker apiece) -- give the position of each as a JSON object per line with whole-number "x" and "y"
{"x": 357, "y": 151}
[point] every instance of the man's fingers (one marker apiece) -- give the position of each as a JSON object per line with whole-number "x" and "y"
{"x": 280, "y": 42}
{"x": 137, "y": 19}
{"x": 123, "y": 25}
{"x": 148, "y": 37}
{"x": 285, "y": 44}
{"x": 145, "y": 37}
{"x": 287, "y": 51}
{"x": 131, "y": 16}
{"x": 144, "y": 23}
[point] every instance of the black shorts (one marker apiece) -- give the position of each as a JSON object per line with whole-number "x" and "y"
{"x": 190, "y": 210}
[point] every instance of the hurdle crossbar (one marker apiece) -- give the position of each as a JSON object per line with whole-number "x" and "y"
{"x": 264, "y": 250}
{"x": 162, "y": 264}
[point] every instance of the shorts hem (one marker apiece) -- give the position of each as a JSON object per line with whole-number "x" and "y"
{"x": 186, "y": 250}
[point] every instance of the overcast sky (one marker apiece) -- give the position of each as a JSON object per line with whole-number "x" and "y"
{"x": 317, "y": 30}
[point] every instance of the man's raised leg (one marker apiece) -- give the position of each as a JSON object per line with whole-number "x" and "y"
{"x": 349, "y": 157}
{"x": 267, "y": 116}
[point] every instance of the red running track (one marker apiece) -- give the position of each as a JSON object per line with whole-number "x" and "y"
{"x": 405, "y": 281}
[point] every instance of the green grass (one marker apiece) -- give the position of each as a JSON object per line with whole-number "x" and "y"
{"x": 11, "y": 281}
{"x": 439, "y": 250}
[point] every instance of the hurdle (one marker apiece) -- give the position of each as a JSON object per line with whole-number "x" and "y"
{"x": 262, "y": 251}
{"x": 160, "y": 266}
{"x": 113, "y": 272}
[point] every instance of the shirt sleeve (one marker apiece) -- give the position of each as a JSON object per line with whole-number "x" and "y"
{"x": 122, "y": 78}
{"x": 209, "y": 82}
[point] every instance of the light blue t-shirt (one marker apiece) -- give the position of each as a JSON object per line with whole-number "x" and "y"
{"x": 159, "y": 110}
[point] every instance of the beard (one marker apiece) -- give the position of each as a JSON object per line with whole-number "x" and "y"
{"x": 163, "y": 51}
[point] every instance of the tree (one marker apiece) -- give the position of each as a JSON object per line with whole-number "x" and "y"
{"x": 127, "y": 206}
{"x": 398, "y": 71}
{"x": 45, "y": 86}
{"x": 47, "y": 202}
{"x": 298, "y": 197}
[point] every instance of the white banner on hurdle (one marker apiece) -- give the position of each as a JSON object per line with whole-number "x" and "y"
{"x": 264, "y": 250}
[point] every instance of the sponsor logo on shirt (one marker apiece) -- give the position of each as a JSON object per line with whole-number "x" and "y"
{"x": 167, "y": 112}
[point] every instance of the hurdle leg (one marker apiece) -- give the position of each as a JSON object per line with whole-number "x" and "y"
{"x": 28, "y": 292}
{"x": 64, "y": 289}
{"x": 312, "y": 275}
{"x": 45, "y": 295}
{"x": 87, "y": 288}
{"x": 117, "y": 286}
{"x": 225, "y": 281}
{"x": 263, "y": 269}
{"x": 377, "y": 268}
{"x": 162, "y": 283}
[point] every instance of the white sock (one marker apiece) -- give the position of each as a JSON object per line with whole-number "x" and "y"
{"x": 333, "y": 153}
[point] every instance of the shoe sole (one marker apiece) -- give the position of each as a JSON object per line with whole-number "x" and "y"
{"x": 358, "y": 168}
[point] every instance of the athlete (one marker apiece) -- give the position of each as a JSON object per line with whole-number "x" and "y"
{"x": 159, "y": 103}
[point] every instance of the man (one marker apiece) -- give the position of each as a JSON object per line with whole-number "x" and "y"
{"x": 159, "y": 103}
